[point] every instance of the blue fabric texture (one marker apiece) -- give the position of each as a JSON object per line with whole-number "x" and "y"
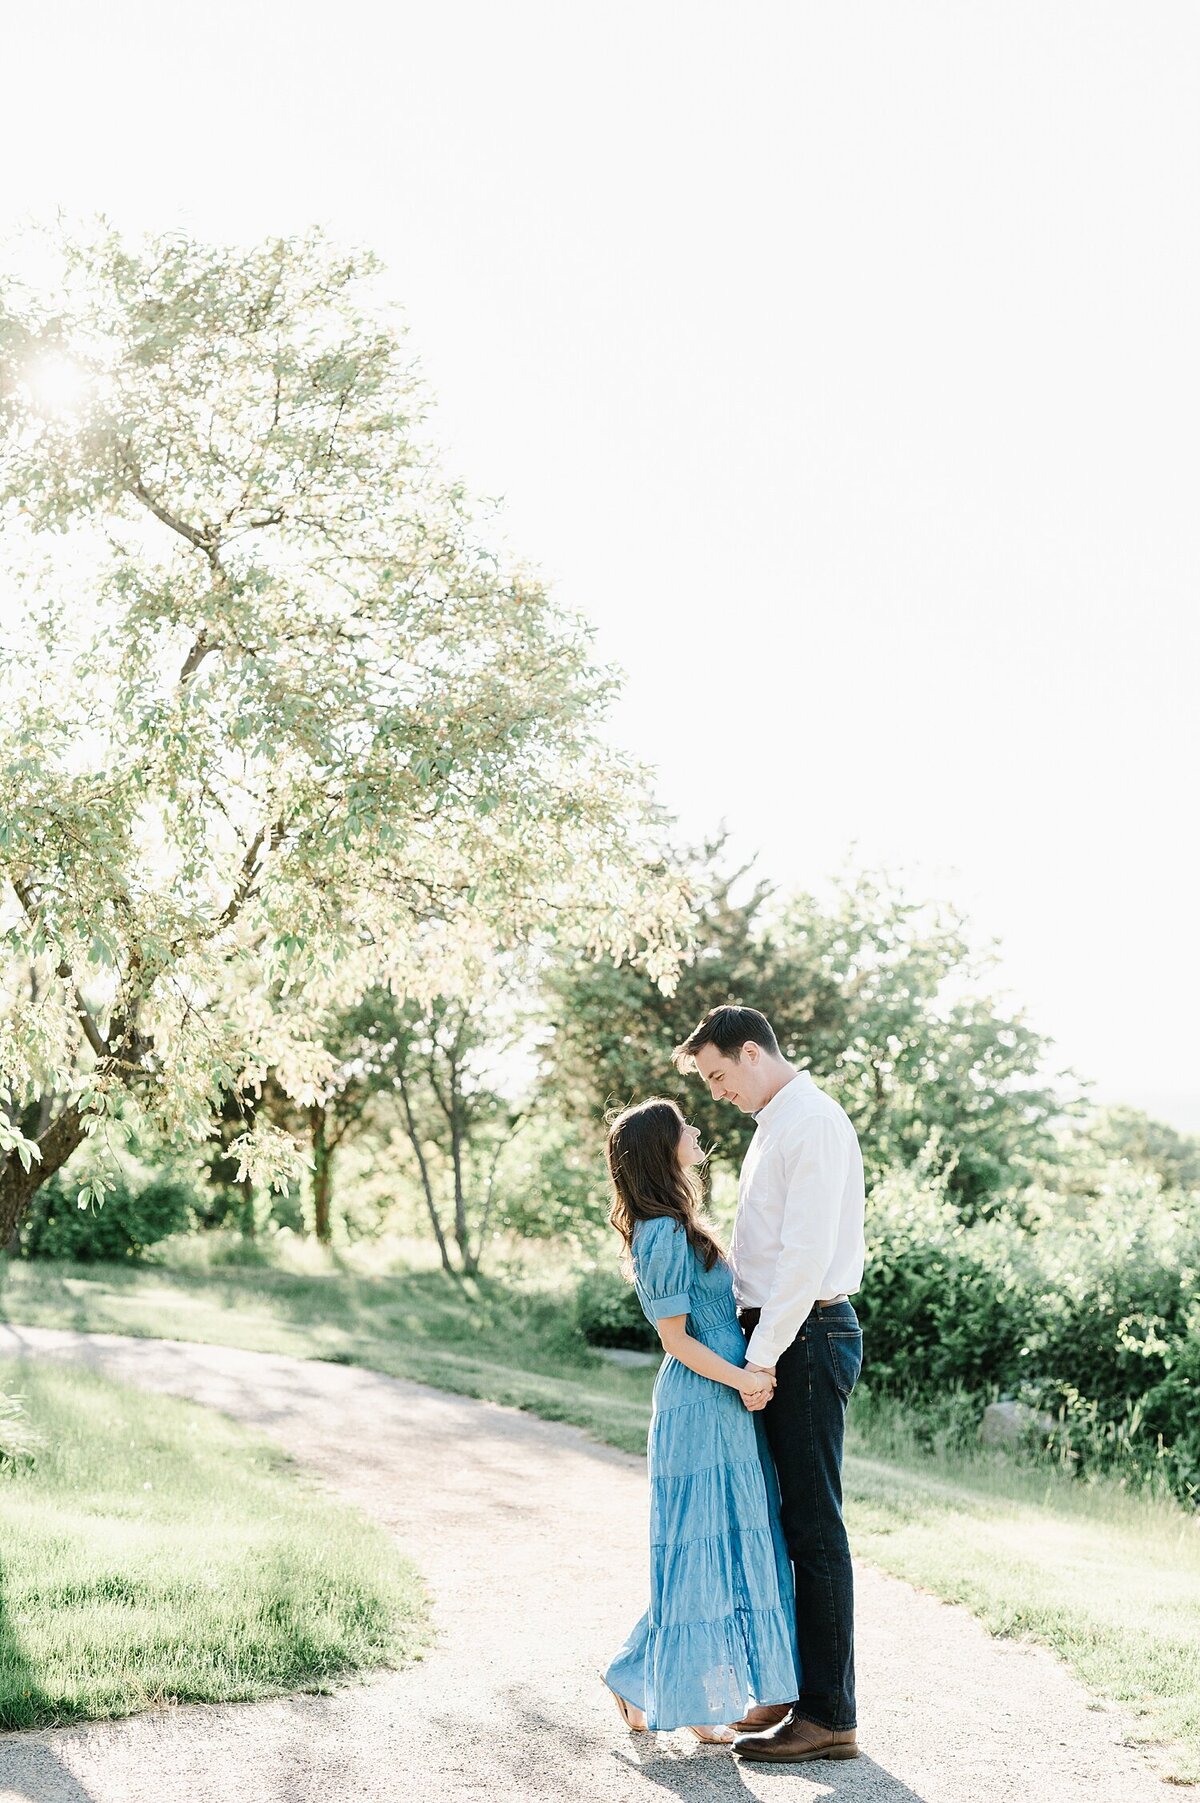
{"x": 720, "y": 1632}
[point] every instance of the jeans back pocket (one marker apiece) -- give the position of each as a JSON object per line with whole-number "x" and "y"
{"x": 846, "y": 1351}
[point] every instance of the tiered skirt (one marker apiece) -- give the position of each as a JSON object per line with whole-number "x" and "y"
{"x": 720, "y": 1632}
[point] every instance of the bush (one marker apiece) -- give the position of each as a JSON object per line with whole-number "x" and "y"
{"x": 1088, "y": 1307}
{"x": 1114, "y": 1340}
{"x": 608, "y": 1312}
{"x": 125, "y": 1224}
{"x": 942, "y": 1305}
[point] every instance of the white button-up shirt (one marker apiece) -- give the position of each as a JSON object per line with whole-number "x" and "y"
{"x": 798, "y": 1234}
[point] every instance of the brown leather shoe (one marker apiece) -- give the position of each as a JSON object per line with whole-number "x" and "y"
{"x": 796, "y": 1741}
{"x": 763, "y": 1715}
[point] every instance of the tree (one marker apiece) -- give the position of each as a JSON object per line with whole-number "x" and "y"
{"x": 879, "y": 995}
{"x": 1115, "y": 1135}
{"x": 923, "y": 1059}
{"x": 276, "y": 721}
{"x": 420, "y": 1063}
{"x": 457, "y": 1123}
{"x": 613, "y": 1029}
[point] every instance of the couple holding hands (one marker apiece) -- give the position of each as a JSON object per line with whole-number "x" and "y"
{"x": 749, "y": 1638}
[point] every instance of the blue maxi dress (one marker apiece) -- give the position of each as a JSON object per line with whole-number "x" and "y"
{"x": 720, "y": 1633}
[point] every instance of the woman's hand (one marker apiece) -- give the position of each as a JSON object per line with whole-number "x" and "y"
{"x": 756, "y": 1388}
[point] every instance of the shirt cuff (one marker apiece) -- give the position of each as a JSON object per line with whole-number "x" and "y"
{"x": 661, "y": 1306}
{"x": 758, "y": 1351}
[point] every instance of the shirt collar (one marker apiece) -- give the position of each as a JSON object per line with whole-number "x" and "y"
{"x": 778, "y": 1105}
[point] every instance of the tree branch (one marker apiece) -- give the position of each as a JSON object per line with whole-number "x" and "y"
{"x": 87, "y": 1019}
{"x": 252, "y": 867}
{"x": 197, "y": 655}
{"x": 203, "y": 541}
{"x": 431, "y": 1072}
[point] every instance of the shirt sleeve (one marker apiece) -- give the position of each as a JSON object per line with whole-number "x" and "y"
{"x": 662, "y": 1264}
{"x": 817, "y": 1165}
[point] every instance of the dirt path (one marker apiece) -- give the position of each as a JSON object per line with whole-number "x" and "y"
{"x": 532, "y": 1539}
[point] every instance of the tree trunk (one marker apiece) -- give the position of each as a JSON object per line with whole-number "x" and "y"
{"x": 515, "y": 1125}
{"x": 469, "y": 1264}
{"x": 322, "y": 1172}
{"x": 18, "y": 1186}
{"x": 426, "y": 1185}
{"x": 243, "y": 1213}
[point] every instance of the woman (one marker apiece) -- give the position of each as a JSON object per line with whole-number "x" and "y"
{"x": 721, "y": 1628}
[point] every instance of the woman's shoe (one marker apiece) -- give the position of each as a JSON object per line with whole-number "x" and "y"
{"x": 714, "y": 1737}
{"x": 633, "y": 1718}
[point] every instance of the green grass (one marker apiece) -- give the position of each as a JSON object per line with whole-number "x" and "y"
{"x": 155, "y": 1553}
{"x": 1108, "y": 1580}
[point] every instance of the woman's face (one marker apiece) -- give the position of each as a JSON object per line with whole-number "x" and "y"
{"x": 689, "y": 1152}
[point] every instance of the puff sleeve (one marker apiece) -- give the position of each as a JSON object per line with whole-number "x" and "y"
{"x": 663, "y": 1268}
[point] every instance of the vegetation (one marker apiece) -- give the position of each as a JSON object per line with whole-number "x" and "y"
{"x": 1073, "y": 1289}
{"x": 278, "y": 725}
{"x": 856, "y": 987}
{"x": 924, "y": 1501}
{"x": 1083, "y": 1307}
{"x": 133, "y": 1219}
{"x": 1108, "y": 1579}
{"x": 1089, "y": 1310}
{"x": 114, "y": 1598}
{"x": 328, "y": 916}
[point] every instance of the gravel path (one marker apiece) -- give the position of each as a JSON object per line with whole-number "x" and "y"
{"x": 532, "y": 1539}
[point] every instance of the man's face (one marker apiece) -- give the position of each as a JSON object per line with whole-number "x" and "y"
{"x": 740, "y": 1080}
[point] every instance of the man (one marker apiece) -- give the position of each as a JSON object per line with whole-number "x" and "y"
{"x": 797, "y": 1253}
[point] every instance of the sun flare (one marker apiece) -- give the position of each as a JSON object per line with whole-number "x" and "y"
{"x": 57, "y": 385}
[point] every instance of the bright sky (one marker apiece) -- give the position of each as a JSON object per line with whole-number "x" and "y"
{"x": 840, "y": 362}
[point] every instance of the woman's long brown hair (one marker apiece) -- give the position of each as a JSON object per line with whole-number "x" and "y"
{"x": 648, "y": 1180}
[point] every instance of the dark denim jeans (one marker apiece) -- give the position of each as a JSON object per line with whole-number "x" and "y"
{"x": 805, "y": 1422}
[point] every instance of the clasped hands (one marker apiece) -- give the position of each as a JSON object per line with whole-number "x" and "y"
{"x": 757, "y": 1394}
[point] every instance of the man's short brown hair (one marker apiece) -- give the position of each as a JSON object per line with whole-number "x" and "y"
{"x": 729, "y": 1028}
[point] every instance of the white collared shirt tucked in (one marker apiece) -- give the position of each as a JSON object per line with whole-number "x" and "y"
{"x": 798, "y": 1236}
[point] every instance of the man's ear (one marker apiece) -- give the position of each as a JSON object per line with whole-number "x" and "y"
{"x": 752, "y": 1051}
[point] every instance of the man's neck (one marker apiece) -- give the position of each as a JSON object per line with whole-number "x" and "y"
{"x": 786, "y": 1073}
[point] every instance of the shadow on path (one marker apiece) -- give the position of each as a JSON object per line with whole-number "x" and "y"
{"x": 29, "y": 1769}
{"x": 553, "y": 1758}
{"x": 712, "y": 1773}
{"x": 33, "y": 1773}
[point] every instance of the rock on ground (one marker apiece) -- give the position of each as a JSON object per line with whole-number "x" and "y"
{"x": 533, "y": 1541}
